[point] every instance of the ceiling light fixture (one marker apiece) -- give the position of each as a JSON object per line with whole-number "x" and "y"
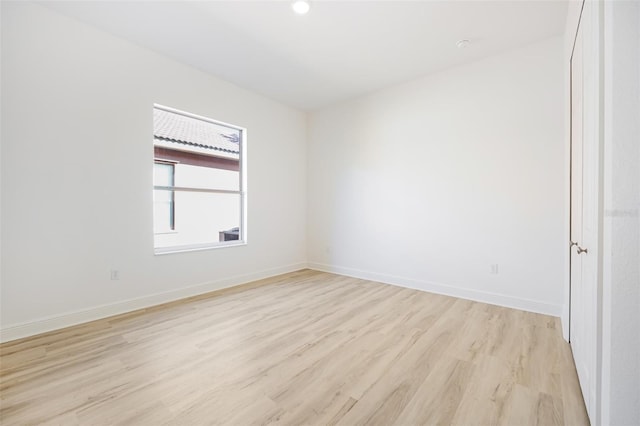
{"x": 463, "y": 43}
{"x": 301, "y": 7}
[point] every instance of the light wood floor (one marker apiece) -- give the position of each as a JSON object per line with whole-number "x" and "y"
{"x": 302, "y": 348}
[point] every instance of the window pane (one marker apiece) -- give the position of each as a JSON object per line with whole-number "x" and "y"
{"x": 203, "y": 218}
{"x": 162, "y": 211}
{"x": 193, "y": 153}
{"x": 162, "y": 174}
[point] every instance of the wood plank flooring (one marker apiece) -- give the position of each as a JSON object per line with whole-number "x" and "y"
{"x": 302, "y": 348}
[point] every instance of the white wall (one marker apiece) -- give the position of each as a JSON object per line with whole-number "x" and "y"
{"x": 428, "y": 183}
{"x": 77, "y": 155}
{"x": 621, "y": 239}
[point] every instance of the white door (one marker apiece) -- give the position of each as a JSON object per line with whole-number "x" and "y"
{"x": 585, "y": 143}
{"x": 577, "y": 331}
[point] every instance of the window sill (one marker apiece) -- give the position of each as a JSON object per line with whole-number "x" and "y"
{"x": 200, "y": 247}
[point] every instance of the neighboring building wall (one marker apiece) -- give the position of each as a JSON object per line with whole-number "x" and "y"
{"x": 199, "y": 216}
{"x": 77, "y": 159}
{"x": 429, "y": 183}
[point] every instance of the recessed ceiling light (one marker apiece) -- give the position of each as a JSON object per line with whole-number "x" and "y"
{"x": 463, "y": 43}
{"x": 301, "y": 6}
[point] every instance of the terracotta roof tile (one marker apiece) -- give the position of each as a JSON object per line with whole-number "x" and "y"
{"x": 177, "y": 131}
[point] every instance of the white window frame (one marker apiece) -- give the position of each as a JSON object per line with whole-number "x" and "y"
{"x": 242, "y": 237}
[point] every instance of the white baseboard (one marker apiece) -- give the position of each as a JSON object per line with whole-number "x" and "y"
{"x": 56, "y": 322}
{"x": 447, "y": 290}
{"x": 43, "y": 325}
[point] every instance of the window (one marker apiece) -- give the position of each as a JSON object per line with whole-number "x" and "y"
{"x": 198, "y": 186}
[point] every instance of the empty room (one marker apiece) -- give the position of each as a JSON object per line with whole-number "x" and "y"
{"x": 320, "y": 212}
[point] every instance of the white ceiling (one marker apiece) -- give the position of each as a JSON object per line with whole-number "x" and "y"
{"x": 339, "y": 50}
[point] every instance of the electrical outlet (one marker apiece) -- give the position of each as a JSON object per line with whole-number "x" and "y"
{"x": 494, "y": 268}
{"x": 115, "y": 275}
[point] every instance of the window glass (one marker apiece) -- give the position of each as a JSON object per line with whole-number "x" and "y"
{"x": 163, "y": 213}
{"x": 198, "y": 189}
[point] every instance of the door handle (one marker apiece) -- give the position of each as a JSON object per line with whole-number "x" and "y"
{"x": 580, "y": 249}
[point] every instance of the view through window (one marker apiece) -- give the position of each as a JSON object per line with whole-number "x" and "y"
{"x": 198, "y": 192}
